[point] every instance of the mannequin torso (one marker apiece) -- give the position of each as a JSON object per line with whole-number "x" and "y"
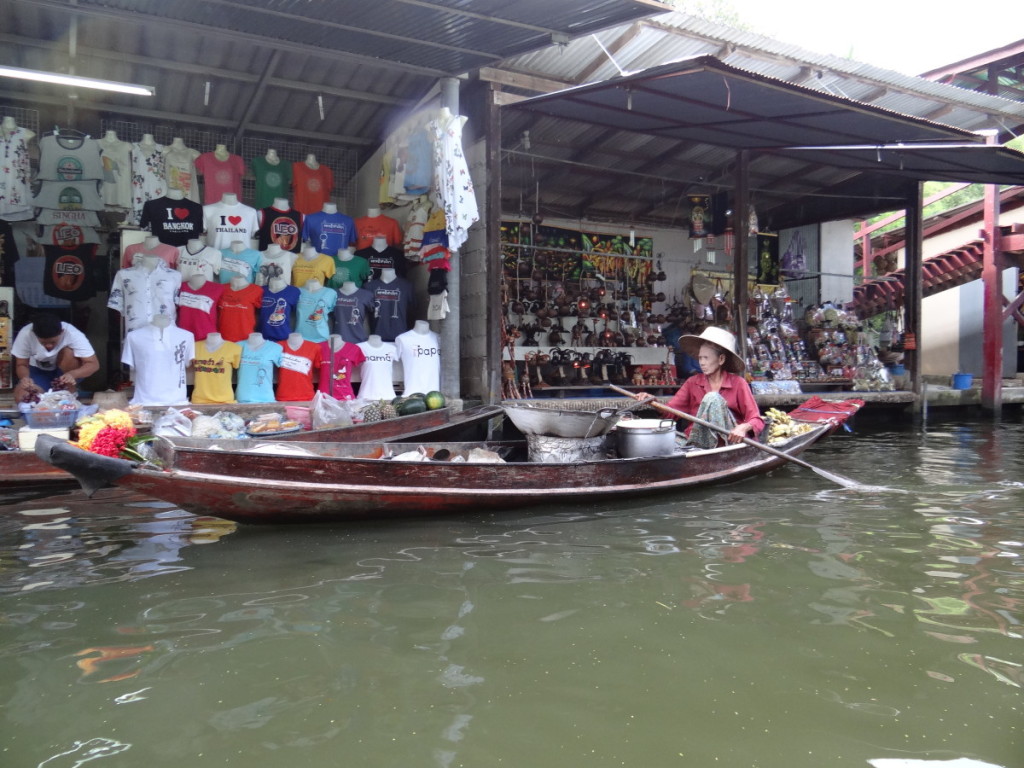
{"x": 214, "y": 341}
{"x": 348, "y": 288}
{"x": 255, "y": 340}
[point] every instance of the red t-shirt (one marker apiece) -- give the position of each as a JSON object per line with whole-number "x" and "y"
{"x": 197, "y": 310}
{"x": 370, "y": 227}
{"x": 238, "y": 311}
{"x": 734, "y": 390}
{"x": 312, "y": 188}
{"x": 336, "y": 369}
{"x": 295, "y": 376}
{"x": 220, "y": 176}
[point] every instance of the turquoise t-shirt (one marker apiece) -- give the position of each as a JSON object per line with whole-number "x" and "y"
{"x": 242, "y": 264}
{"x": 313, "y": 313}
{"x": 256, "y": 372}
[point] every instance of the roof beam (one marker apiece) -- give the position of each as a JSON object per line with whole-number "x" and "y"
{"x": 257, "y": 97}
{"x": 614, "y": 47}
{"x": 510, "y": 79}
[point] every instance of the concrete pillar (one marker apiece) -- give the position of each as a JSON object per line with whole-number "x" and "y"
{"x": 450, "y": 331}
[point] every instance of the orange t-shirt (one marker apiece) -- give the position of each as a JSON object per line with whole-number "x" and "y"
{"x": 312, "y": 188}
{"x": 370, "y": 227}
{"x": 237, "y": 311}
{"x": 295, "y": 375}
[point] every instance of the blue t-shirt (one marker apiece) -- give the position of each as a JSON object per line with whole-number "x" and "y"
{"x": 313, "y": 313}
{"x": 275, "y": 322}
{"x": 352, "y": 315}
{"x": 241, "y": 264}
{"x": 256, "y": 372}
{"x": 329, "y": 232}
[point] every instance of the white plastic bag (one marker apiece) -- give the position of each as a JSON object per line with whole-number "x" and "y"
{"x": 325, "y": 411}
{"x": 173, "y": 423}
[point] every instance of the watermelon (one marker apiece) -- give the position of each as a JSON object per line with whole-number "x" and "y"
{"x": 410, "y": 406}
{"x": 435, "y": 400}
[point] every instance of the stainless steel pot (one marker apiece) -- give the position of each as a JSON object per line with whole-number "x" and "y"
{"x": 637, "y": 438}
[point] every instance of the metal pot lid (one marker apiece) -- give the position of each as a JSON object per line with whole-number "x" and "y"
{"x": 702, "y": 287}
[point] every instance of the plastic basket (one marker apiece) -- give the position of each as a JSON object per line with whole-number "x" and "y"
{"x": 43, "y": 419}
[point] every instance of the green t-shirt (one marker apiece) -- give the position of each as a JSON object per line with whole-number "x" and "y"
{"x": 272, "y": 181}
{"x": 356, "y": 269}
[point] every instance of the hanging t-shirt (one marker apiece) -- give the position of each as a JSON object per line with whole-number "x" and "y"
{"x": 355, "y": 269}
{"x": 213, "y": 372}
{"x": 415, "y": 223}
{"x": 420, "y": 354}
{"x": 329, "y": 232}
{"x": 256, "y": 372}
{"x": 313, "y": 187}
{"x": 148, "y": 180}
{"x": 227, "y": 223}
{"x": 173, "y": 222}
{"x": 159, "y": 357}
{"x": 370, "y": 227}
{"x": 238, "y": 310}
{"x": 295, "y": 378}
{"x": 276, "y": 265}
{"x": 453, "y": 186}
{"x": 197, "y": 308}
{"x": 313, "y": 313}
{"x": 116, "y": 157}
{"x": 272, "y": 180}
{"x": 275, "y": 321}
{"x": 283, "y": 228}
{"x": 303, "y": 270}
{"x": 376, "y": 371}
{"x": 69, "y": 196}
{"x": 220, "y": 177}
{"x": 138, "y": 294}
{"x": 70, "y": 274}
{"x": 69, "y": 236}
{"x": 15, "y": 175}
{"x": 180, "y": 171}
{"x": 239, "y": 264}
{"x": 337, "y": 367}
{"x": 392, "y": 302}
{"x": 133, "y": 254}
{"x": 419, "y": 164}
{"x": 69, "y": 158}
{"x": 353, "y": 313}
{"x": 206, "y": 262}
{"x": 47, "y": 217}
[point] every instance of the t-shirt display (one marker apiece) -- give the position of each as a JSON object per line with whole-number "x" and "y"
{"x": 148, "y": 180}
{"x": 256, "y": 372}
{"x": 213, "y": 372}
{"x": 47, "y": 217}
{"x": 329, "y": 232}
{"x": 15, "y": 175}
{"x": 220, "y": 177}
{"x": 376, "y": 371}
{"x": 70, "y": 236}
{"x": 275, "y": 321}
{"x": 174, "y": 222}
{"x": 180, "y": 170}
{"x": 353, "y": 313}
{"x": 70, "y": 196}
{"x": 241, "y": 263}
{"x": 133, "y": 254}
{"x": 337, "y": 367}
{"x": 139, "y": 293}
{"x": 205, "y": 261}
{"x": 453, "y": 185}
{"x": 320, "y": 268}
{"x": 197, "y": 308}
{"x": 272, "y": 180}
{"x": 116, "y": 156}
{"x": 370, "y": 227}
{"x": 69, "y": 158}
{"x": 313, "y": 313}
{"x": 389, "y": 258}
{"x": 226, "y": 223}
{"x": 392, "y": 302}
{"x": 70, "y": 274}
{"x": 238, "y": 310}
{"x": 26, "y": 345}
{"x": 354, "y": 269}
{"x": 159, "y": 357}
{"x": 275, "y": 265}
{"x": 295, "y": 377}
{"x": 283, "y": 228}
{"x": 420, "y": 355}
{"x": 313, "y": 186}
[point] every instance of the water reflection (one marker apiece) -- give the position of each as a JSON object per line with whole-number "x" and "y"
{"x": 779, "y": 624}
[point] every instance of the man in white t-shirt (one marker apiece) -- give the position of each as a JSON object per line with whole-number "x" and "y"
{"x": 50, "y": 354}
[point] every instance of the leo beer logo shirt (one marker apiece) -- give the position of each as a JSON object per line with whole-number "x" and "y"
{"x": 70, "y": 273}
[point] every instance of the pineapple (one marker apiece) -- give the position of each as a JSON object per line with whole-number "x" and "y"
{"x": 387, "y": 410}
{"x": 379, "y": 410}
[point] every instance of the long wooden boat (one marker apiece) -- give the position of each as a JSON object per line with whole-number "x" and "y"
{"x": 24, "y": 469}
{"x": 312, "y": 482}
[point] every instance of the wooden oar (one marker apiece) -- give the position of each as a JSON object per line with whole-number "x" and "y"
{"x": 838, "y": 479}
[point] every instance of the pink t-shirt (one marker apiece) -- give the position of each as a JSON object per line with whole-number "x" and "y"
{"x": 197, "y": 309}
{"x": 734, "y": 390}
{"x": 220, "y": 176}
{"x": 336, "y": 368}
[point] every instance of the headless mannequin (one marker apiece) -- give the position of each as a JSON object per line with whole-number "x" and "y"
{"x": 280, "y": 203}
{"x": 388, "y": 275}
{"x": 375, "y": 341}
{"x": 294, "y": 341}
{"x": 335, "y": 342}
{"x": 273, "y": 250}
{"x": 9, "y": 126}
{"x": 348, "y": 288}
{"x": 313, "y": 285}
{"x": 148, "y": 142}
{"x": 221, "y": 153}
{"x": 175, "y": 194}
{"x": 195, "y": 245}
{"x": 379, "y": 244}
{"x": 255, "y": 340}
{"x": 237, "y": 246}
{"x": 160, "y": 321}
{"x": 330, "y": 208}
{"x": 178, "y": 143}
{"x": 309, "y": 253}
{"x": 149, "y": 263}
{"x": 110, "y": 140}
{"x": 311, "y": 162}
{"x": 272, "y": 158}
{"x": 214, "y": 341}
{"x": 422, "y": 326}
{"x": 150, "y": 243}
{"x": 238, "y": 283}
{"x": 229, "y": 198}
{"x": 277, "y": 285}
{"x": 345, "y": 254}
{"x": 373, "y": 213}
{"x": 196, "y": 281}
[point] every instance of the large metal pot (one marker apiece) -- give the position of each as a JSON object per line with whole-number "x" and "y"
{"x": 637, "y": 438}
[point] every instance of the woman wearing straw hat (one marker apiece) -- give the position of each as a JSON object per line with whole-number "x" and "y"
{"x": 719, "y": 393}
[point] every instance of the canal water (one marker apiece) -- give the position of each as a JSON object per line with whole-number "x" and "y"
{"x": 784, "y": 622}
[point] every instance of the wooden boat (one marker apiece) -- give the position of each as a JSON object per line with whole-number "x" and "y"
{"x": 24, "y": 468}
{"x": 270, "y": 482}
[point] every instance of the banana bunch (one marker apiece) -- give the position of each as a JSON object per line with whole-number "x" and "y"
{"x": 782, "y": 427}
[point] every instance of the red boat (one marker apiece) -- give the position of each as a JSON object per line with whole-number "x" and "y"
{"x": 273, "y": 482}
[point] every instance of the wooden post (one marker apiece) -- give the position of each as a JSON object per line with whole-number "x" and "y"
{"x": 493, "y": 255}
{"x": 741, "y": 255}
{"x": 992, "y": 322}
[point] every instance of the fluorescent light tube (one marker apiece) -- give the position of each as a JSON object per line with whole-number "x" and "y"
{"x": 76, "y": 81}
